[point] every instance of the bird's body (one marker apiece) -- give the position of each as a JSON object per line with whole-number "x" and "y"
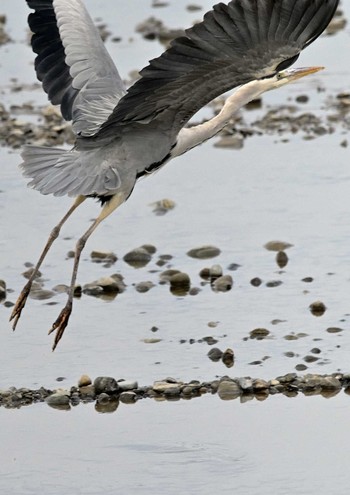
{"x": 123, "y": 135}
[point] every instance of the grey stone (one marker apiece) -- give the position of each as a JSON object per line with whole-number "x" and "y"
{"x": 105, "y": 384}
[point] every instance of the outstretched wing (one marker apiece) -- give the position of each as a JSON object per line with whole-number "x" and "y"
{"x": 235, "y": 43}
{"x": 73, "y": 64}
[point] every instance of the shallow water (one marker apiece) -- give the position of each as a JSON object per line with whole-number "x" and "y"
{"x": 237, "y": 200}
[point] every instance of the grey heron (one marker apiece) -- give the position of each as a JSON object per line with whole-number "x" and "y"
{"x": 124, "y": 134}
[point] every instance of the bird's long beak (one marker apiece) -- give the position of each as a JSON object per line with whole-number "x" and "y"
{"x": 294, "y": 74}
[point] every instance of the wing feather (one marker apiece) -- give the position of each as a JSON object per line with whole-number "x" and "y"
{"x": 234, "y": 44}
{"x": 72, "y": 62}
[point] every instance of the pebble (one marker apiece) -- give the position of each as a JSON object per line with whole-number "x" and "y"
{"x": 58, "y": 399}
{"x": 113, "y": 284}
{"x": 84, "y": 381}
{"x": 180, "y": 280}
{"x": 229, "y": 390}
{"x": 128, "y": 397}
{"x": 256, "y": 282}
{"x": 259, "y": 333}
{"x": 144, "y": 286}
{"x": 103, "y": 257}
{"x": 138, "y": 257}
{"x": 215, "y": 354}
{"x": 2, "y": 290}
{"x": 105, "y": 384}
{"x": 162, "y": 386}
{"x": 162, "y": 206}
{"x": 334, "y": 330}
{"x": 281, "y": 259}
{"x": 277, "y": 246}
{"x": 228, "y": 358}
{"x": 127, "y": 384}
{"x": 204, "y": 252}
{"x": 317, "y": 308}
{"x": 223, "y": 284}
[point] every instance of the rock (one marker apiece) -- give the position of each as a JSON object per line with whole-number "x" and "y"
{"x": 144, "y": 286}
{"x": 128, "y": 397}
{"x": 223, "y": 284}
{"x": 105, "y": 285}
{"x": 180, "y": 282}
{"x": 259, "y": 333}
{"x": 229, "y": 390}
{"x": 256, "y": 282}
{"x": 103, "y": 257}
{"x": 162, "y": 206}
{"x": 234, "y": 142}
{"x": 228, "y": 358}
{"x": 215, "y": 272}
{"x": 58, "y": 399}
{"x": 277, "y": 246}
{"x": 103, "y": 398}
{"x": 162, "y": 386}
{"x": 215, "y": 354}
{"x": 334, "y": 330}
{"x": 317, "y": 308}
{"x": 167, "y": 274}
{"x": 105, "y": 384}
{"x": 274, "y": 283}
{"x": 2, "y": 290}
{"x": 204, "y": 252}
{"x": 246, "y": 384}
{"x": 84, "y": 381}
{"x": 281, "y": 259}
{"x": 260, "y": 384}
{"x": 138, "y": 257}
{"x": 127, "y": 384}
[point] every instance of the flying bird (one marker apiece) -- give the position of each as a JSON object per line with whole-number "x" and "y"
{"x": 125, "y": 134}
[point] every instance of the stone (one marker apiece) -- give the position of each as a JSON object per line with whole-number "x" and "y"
{"x": 317, "y": 308}
{"x": 84, "y": 381}
{"x": 223, "y": 284}
{"x": 138, "y": 257}
{"x": 58, "y": 399}
{"x": 229, "y": 390}
{"x": 128, "y": 397}
{"x": 105, "y": 384}
{"x": 127, "y": 384}
{"x": 228, "y": 358}
{"x": 215, "y": 354}
{"x": 162, "y": 386}
{"x": 256, "y": 282}
{"x": 281, "y": 259}
{"x": 277, "y": 246}
{"x": 103, "y": 257}
{"x": 143, "y": 287}
{"x": 204, "y": 252}
{"x": 259, "y": 333}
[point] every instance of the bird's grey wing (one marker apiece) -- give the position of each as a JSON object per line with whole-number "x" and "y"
{"x": 73, "y": 64}
{"x": 234, "y": 44}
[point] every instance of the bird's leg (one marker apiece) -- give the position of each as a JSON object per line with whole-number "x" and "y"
{"x": 22, "y": 298}
{"x": 62, "y": 321}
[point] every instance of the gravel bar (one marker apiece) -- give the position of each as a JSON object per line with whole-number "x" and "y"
{"x": 107, "y": 392}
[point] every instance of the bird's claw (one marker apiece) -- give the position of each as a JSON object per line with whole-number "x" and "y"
{"x": 60, "y": 324}
{"x": 20, "y": 303}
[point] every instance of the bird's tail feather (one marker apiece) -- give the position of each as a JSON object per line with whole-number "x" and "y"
{"x": 42, "y": 165}
{"x": 62, "y": 172}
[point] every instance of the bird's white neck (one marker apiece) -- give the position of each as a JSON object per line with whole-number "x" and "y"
{"x": 189, "y": 137}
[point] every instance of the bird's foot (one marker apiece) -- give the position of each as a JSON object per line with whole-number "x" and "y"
{"x": 60, "y": 324}
{"x": 20, "y": 303}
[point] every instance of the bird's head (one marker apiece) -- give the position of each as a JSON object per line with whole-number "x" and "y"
{"x": 287, "y": 76}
